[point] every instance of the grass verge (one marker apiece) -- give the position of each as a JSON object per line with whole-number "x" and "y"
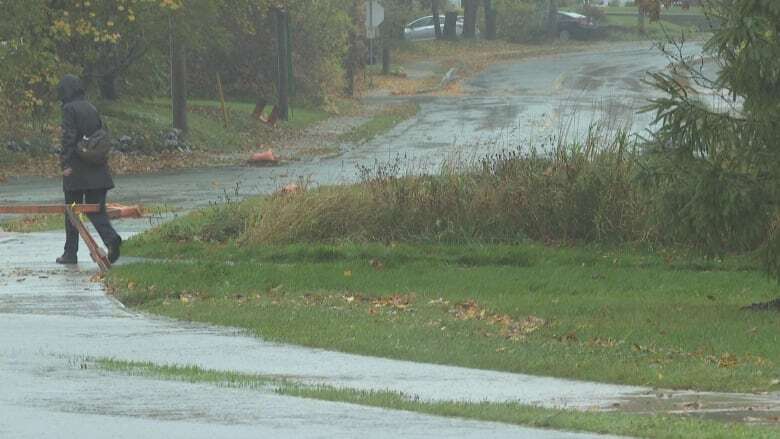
{"x": 656, "y": 426}
{"x": 380, "y": 123}
{"x": 621, "y": 316}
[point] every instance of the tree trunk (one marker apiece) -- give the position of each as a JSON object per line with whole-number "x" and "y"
{"x": 357, "y": 48}
{"x": 470, "y": 18}
{"x": 490, "y": 20}
{"x": 386, "y": 58}
{"x": 451, "y": 26}
{"x": 283, "y": 74}
{"x": 178, "y": 81}
{"x": 552, "y": 18}
{"x": 436, "y": 22}
{"x": 262, "y": 74}
{"x": 107, "y": 85}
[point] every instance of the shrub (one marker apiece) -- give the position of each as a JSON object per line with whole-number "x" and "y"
{"x": 578, "y": 194}
{"x": 597, "y": 14}
{"x": 519, "y": 20}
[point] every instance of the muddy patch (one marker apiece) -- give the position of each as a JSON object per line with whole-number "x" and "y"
{"x": 773, "y": 305}
{"x": 764, "y": 409}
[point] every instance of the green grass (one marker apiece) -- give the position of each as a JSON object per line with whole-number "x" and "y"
{"x": 623, "y": 316}
{"x": 623, "y": 26}
{"x": 655, "y": 426}
{"x": 380, "y": 124}
{"x": 632, "y": 10}
{"x": 148, "y": 119}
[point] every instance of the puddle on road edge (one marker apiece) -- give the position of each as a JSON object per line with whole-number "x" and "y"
{"x": 639, "y": 419}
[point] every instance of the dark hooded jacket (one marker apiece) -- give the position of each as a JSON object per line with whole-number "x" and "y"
{"x": 79, "y": 119}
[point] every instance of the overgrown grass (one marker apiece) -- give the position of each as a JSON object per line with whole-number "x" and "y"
{"x": 656, "y": 426}
{"x": 580, "y": 195}
{"x": 380, "y": 124}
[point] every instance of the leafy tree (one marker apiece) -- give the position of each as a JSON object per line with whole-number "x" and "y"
{"x": 524, "y": 20}
{"x": 30, "y": 67}
{"x": 714, "y": 162}
{"x": 105, "y": 38}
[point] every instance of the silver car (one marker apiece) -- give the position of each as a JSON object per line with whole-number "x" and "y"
{"x": 423, "y": 29}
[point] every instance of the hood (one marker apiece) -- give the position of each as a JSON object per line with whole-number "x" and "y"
{"x": 70, "y": 89}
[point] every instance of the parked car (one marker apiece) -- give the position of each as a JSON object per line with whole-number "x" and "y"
{"x": 423, "y": 28}
{"x": 574, "y": 25}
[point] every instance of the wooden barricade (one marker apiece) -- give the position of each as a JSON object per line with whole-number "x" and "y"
{"x": 72, "y": 212}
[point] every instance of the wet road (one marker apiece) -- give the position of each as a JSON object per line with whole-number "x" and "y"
{"x": 51, "y": 316}
{"x": 509, "y": 105}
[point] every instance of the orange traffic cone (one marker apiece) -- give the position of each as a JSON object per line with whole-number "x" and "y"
{"x": 264, "y": 158}
{"x": 116, "y": 211}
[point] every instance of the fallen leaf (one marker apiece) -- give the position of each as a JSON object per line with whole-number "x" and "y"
{"x": 727, "y": 360}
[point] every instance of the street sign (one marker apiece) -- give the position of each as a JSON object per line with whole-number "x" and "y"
{"x": 375, "y": 15}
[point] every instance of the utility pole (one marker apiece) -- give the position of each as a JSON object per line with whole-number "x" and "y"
{"x": 436, "y": 21}
{"x": 357, "y": 48}
{"x": 470, "y": 11}
{"x": 490, "y": 20}
{"x": 178, "y": 78}
{"x": 283, "y": 63}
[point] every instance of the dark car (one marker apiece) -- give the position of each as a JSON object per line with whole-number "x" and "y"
{"x": 574, "y": 25}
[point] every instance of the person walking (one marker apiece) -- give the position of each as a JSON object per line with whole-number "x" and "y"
{"x": 83, "y": 182}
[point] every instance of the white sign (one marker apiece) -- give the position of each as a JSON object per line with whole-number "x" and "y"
{"x": 375, "y": 15}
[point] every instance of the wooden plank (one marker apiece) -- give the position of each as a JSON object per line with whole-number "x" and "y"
{"x": 47, "y": 208}
{"x": 95, "y": 252}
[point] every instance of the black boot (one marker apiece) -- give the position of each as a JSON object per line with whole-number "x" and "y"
{"x": 68, "y": 259}
{"x": 113, "y": 249}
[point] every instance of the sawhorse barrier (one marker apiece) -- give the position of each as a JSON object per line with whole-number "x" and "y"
{"x": 72, "y": 212}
